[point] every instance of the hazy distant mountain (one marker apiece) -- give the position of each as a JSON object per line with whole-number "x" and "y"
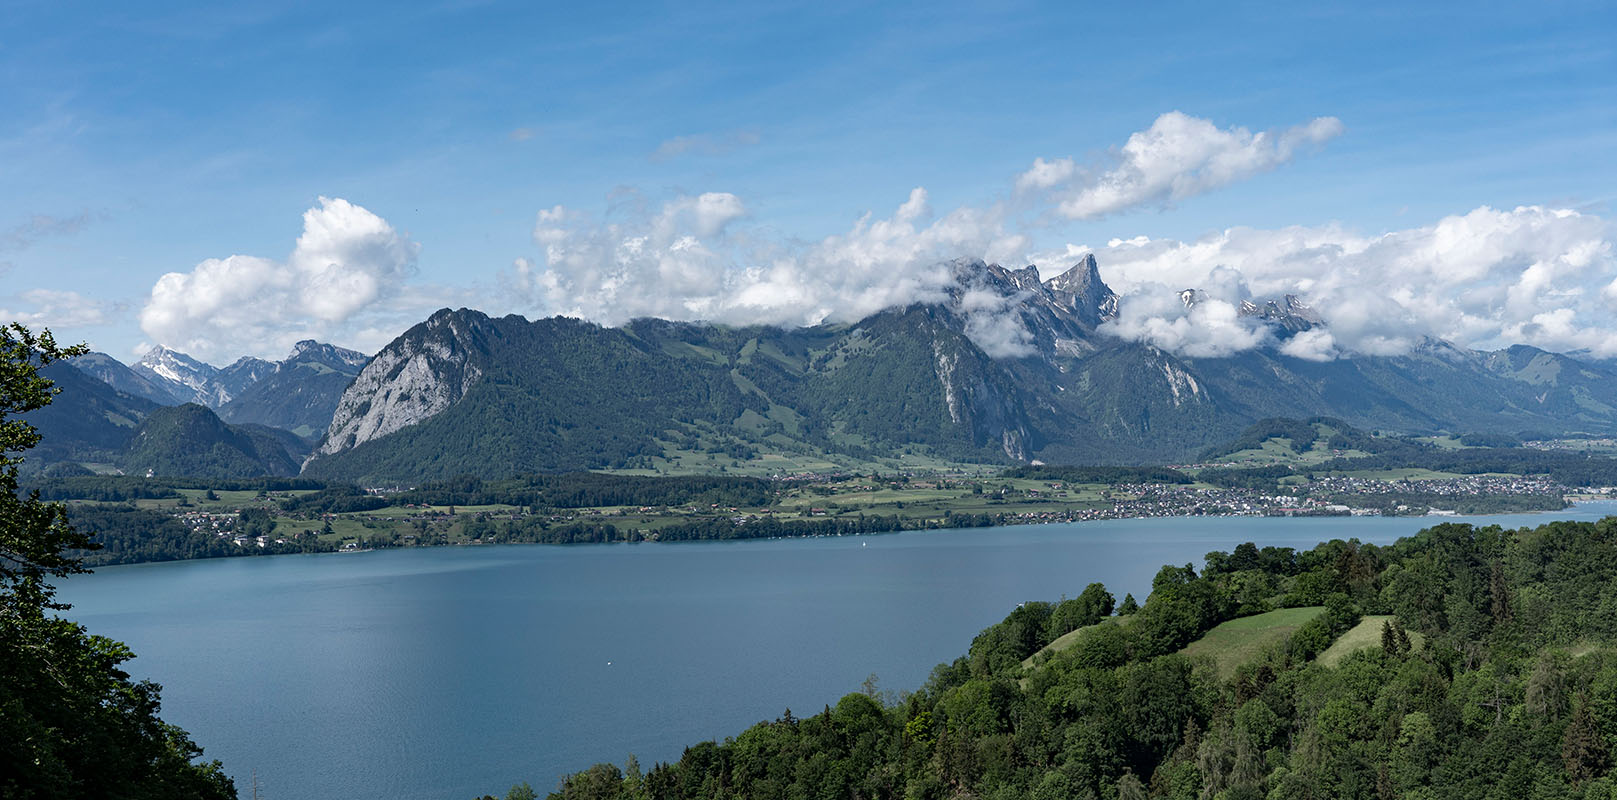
{"x": 1006, "y": 368}
{"x": 184, "y": 377}
{"x": 191, "y": 381}
{"x": 299, "y": 394}
{"x": 124, "y": 379}
{"x": 245, "y": 372}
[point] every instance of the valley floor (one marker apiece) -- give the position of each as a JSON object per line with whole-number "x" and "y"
{"x": 204, "y": 522}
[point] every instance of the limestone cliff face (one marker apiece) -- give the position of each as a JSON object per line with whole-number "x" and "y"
{"x": 417, "y": 376}
{"x": 976, "y": 399}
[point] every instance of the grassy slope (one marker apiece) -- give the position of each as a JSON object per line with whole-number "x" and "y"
{"x": 1362, "y": 636}
{"x": 1071, "y": 638}
{"x": 1235, "y": 642}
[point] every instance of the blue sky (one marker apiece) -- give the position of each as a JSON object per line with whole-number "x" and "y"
{"x": 140, "y": 140}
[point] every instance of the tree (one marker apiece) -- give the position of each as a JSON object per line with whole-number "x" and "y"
{"x": 1389, "y": 640}
{"x": 34, "y": 536}
{"x": 73, "y": 724}
{"x": 1583, "y": 747}
{"x": 1129, "y": 606}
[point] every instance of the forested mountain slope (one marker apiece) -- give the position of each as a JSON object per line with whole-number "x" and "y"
{"x": 301, "y": 393}
{"x": 1001, "y": 368}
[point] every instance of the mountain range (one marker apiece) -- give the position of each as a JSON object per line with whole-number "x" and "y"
{"x": 172, "y": 415}
{"x": 1002, "y": 367}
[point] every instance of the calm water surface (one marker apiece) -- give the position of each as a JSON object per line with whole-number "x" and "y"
{"x": 451, "y": 672}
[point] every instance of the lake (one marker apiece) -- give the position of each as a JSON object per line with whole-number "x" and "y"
{"x": 451, "y": 672}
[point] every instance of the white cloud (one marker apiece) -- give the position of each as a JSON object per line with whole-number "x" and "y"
{"x": 1316, "y": 344}
{"x": 348, "y": 262}
{"x": 1210, "y": 328}
{"x": 695, "y": 258}
{"x": 1179, "y": 156}
{"x": 1046, "y": 174}
{"x": 685, "y": 261}
{"x": 58, "y": 310}
{"x": 1487, "y": 278}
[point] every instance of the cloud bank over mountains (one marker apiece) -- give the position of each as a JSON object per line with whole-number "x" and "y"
{"x": 1485, "y": 278}
{"x": 1488, "y": 278}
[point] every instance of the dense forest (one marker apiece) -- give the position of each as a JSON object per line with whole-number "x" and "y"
{"x": 1491, "y": 674}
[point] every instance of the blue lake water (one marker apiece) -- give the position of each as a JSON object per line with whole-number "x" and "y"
{"x": 450, "y": 672}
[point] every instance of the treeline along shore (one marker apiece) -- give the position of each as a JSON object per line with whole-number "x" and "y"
{"x": 139, "y": 519}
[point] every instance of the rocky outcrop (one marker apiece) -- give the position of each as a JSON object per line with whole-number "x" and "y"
{"x": 1080, "y": 291}
{"x": 417, "y": 376}
{"x": 1288, "y": 313}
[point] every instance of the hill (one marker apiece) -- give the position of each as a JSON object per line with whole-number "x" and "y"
{"x": 191, "y": 441}
{"x": 1240, "y": 641}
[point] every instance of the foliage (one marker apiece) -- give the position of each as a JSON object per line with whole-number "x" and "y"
{"x": 72, "y": 721}
{"x": 1301, "y": 433}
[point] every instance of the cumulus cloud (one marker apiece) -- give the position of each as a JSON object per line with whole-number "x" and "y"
{"x": 347, "y": 262}
{"x": 1316, "y": 344}
{"x": 685, "y": 260}
{"x": 1179, "y": 156}
{"x": 1487, "y": 278}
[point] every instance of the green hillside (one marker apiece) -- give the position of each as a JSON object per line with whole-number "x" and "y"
{"x": 191, "y": 441}
{"x": 1364, "y": 636}
{"x": 1240, "y": 641}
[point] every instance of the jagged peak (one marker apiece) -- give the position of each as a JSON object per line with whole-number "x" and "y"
{"x": 1081, "y": 290}
{"x": 1085, "y": 273}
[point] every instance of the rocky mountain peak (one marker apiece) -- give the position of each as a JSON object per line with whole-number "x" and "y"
{"x": 1289, "y": 313}
{"x": 176, "y": 367}
{"x": 311, "y": 350}
{"x": 1081, "y": 291}
{"x": 417, "y": 376}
